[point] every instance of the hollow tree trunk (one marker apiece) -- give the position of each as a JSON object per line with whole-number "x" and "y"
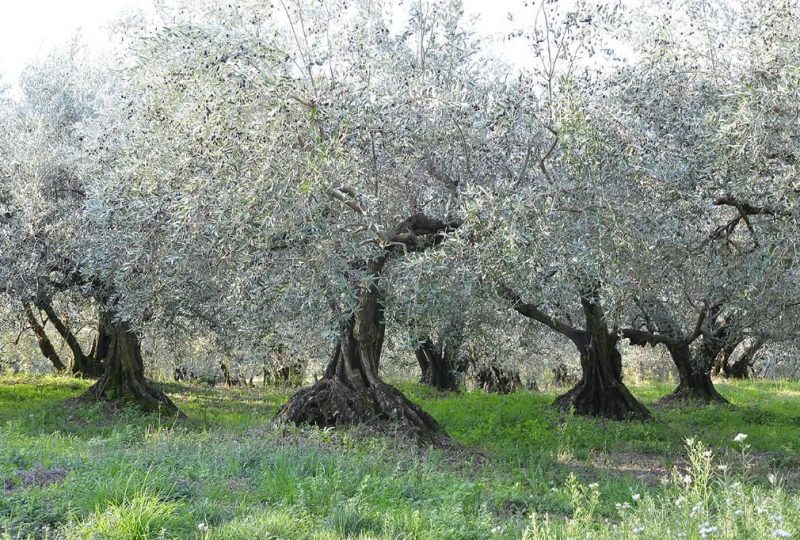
{"x": 123, "y": 377}
{"x": 695, "y": 375}
{"x": 741, "y": 368}
{"x": 600, "y": 392}
{"x": 80, "y": 364}
{"x": 45, "y": 345}
{"x": 436, "y": 365}
{"x": 351, "y": 390}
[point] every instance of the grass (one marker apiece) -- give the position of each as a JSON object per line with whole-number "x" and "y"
{"x": 70, "y": 470}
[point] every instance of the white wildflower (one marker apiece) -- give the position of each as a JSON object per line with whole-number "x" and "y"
{"x": 679, "y": 501}
{"x": 687, "y": 479}
{"x": 780, "y": 533}
{"x": 722, "y": 468}
{"x": 738, "y": 512}
{"x": 638, "y": 530}
{"x": 706, "y": 529}
{"x": 636, "y": 497}
{"x": 594, "y": 485}
{"x": 740, "y": 437}
{"x": 772, "y": 478}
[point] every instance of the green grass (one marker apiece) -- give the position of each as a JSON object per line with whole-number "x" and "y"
{"x": 522, "y": 469}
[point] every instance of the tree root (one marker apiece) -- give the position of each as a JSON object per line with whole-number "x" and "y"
{"x": 332, "y": 403}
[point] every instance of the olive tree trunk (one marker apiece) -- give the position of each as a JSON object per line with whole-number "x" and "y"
{"x": 600, "y": 392}
{"x": 45, "y": 345}
{"x": 694, "y": 373}
{"x": 123, "y": 377}
{"x": 80, "y": 364}
{"x": 437, "y": 366}
{"x": 351, "y": 391}
{"x": 743, "y": 367}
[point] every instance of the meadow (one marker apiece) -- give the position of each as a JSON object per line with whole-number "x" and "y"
{"x": 516, "y": 469}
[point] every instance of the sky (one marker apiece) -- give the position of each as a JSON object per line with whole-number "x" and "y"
{"x": 31, "y": 28}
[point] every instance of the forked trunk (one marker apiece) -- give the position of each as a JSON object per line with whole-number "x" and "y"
{"x": 600, "y": 391}
{"x": 351, "y": 391}
{"x": 742, "y": 368}
{"x": 45, "y": 345}
{"x": 695, "y": 375}
{"x": 123, "y": 378}
{"x": 80, "y": 364}
{"x": 436, "y": 366}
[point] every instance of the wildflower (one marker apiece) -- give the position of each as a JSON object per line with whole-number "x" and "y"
{"x": 638, "y": 530}
{"x": 707, "y": 529}
{"x": 772, "y": 478}
{"x": 202, "y": 527}
{"x": 679, "y": 501}
{"x": 780, "y": 533}
{"x": 738, "y": 512}
{"x": 722, "y": 468}
{"x": 636, "y": 497}
{"x": 740, "y": 437}
{"x": 687, "y": 479}
{"x": 594, "y": 485}
{"x": 697, "y": 509}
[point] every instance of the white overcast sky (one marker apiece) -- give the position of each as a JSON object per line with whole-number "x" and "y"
{"x": 30, "y": 28}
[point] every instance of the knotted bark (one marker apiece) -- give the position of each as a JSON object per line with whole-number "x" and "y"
{"x": 80, "y": 364}
{"x": 123, "y": 377}
{"x": 600, "y": 392}
{"x": 42, "y": 339}
{"x": 437, "y": 366}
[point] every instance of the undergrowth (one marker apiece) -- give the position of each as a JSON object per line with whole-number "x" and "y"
{"x": 82, "y": 470}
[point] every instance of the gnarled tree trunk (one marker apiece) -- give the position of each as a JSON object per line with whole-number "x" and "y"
{"x": 742, "y": 368}
{"x": 694, "y": 370}
{"x": 123, "y": 377}
{"x": 435, "y": 362}
{"x": 45, "y": 345}
{"x": 80, "y": 364}
{"x": 351, "y": 390}
{"x": 695, "y": 375}
{"x": 497, "y": 379}
{"x": 600, "y": 392}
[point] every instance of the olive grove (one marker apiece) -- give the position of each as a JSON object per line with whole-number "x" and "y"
{"x": 279, "y": 177}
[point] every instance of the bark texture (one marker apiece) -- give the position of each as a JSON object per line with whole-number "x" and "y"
{"x": 42, "y": 339}
{"x": 741, "y": 368}
{"x": 437, "y": 366}
{"x": 694, "y": 368}
{"x": 123, "y": 378}
{"x": 351, "y": 391}
{"x": 497, "y": 379}
{"x": 600, "y": 392}
{"x": 80, "y": 364}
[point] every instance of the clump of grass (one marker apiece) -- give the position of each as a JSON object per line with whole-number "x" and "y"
{"x": 137, "y": 517}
